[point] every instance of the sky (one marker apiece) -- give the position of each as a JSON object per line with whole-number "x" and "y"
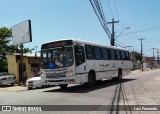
{"x": 59, "y": 19}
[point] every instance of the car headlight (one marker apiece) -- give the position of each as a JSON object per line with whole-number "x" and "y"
{"x": 42, "y": 75}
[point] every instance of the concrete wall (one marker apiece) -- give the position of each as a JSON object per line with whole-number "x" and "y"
{"x": 13, "y": 66}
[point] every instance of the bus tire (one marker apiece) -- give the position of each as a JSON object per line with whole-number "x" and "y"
{"x": 63, "y": 86}
{"x": 91, "y": 79}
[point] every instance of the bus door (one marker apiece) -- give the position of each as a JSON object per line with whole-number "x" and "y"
{"x": 80, "y": 65}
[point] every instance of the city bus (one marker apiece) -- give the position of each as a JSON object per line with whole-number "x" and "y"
{"x": 72, "y": 61}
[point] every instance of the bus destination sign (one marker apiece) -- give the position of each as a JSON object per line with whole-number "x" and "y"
{"x": 57, "y": 44}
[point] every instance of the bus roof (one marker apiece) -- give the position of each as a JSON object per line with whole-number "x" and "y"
{"x": 88, "y": 42}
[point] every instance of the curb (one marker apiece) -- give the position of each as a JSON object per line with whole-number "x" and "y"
{"x": 16, "y": 88}
{"x": 145, "y": 69}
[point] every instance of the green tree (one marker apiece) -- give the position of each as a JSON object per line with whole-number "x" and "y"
{"x": 5, "y": 35}
{"x": 138, "y": 56}
{"x": 6, "y": 47}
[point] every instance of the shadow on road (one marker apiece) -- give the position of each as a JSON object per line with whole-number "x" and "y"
{"x": 84, "y": 89}
{"x": 5, "y": 86}
{"x": 119, "y": 100}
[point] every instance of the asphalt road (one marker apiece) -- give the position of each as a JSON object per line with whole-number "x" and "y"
{"x": 138, "y": 89}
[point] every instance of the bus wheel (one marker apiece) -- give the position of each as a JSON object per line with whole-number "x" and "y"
{"x": 91, "y": 80}
{"x": 64, "y": 86}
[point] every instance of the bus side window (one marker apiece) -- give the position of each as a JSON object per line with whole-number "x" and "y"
{"x": 127, "y": 55}
{"x": 79, "y": 55}
{"x": 105, "y": 53}
{"x": 89, "y": 52}
{"x": 118, "y": 54}
{"x": 109, "y": 54}
{"x": 122, "y": 55}
{"x": 98, "y": 54}
{"x": 113, "y": 56}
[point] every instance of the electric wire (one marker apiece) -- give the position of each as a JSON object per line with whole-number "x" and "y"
{"x": 96, "y": 5}
{"x": 110, "y": 8}
{"x": 116, "y": 9}
{"x": 100, "y": 10}
{"x": 145, "y": 17}
{"x": 144, "y": 30}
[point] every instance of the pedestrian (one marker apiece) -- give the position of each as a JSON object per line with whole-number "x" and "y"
{"x": 24, "y": 78}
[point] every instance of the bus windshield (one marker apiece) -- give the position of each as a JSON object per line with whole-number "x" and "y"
{"x": 57, "y": 58}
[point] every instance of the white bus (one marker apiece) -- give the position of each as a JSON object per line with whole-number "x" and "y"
{"x": 73, "y": 61}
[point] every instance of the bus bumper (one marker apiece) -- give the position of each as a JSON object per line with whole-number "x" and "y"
{"x": 58, "y": 81}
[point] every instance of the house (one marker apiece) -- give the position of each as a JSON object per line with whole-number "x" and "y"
{"x": 30, "y": 63}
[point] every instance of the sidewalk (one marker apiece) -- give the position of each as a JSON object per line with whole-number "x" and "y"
{"x": 9, "y": 88}
{"x": 139, "y": 70}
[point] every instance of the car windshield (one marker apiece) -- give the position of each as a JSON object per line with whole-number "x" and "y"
{"x": 57, "y": 58}
{"x": 5, "y": 73}
{"x": 38, "y": 75}
{"x": 1, "y": 74}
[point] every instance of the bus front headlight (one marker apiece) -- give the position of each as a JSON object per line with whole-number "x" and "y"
{"x": 69, "y": 73}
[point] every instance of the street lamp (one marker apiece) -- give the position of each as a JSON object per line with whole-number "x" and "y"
{"x": 123, "y": 31}
{"x": 129, "y": 47}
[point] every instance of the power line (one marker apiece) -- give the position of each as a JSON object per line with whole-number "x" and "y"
{"x": 110, "y": 8}
{"x": 145, "y": 17}
{"x": 120, "y": 43}
{"x": 116, "y": 8}
{"x": 144, "y": 30}
{"x": 96, "y": 5}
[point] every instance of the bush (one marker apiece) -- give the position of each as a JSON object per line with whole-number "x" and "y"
{"x": 3, "y": 65}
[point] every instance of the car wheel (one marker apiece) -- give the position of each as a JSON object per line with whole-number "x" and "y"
{"x": 64, "y": 86}
{"x": 30, "y": 88}
{"x": 12, "y": 84}
{"x": 43, "y": 86}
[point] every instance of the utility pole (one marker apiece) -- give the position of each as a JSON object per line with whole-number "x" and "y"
{"x": 141, "y": 53}
{"x": 21, "y": 64}
{"x": 112, "y": 36}
{"x": 153, "y": 57}
{"x": 158, "y": 57}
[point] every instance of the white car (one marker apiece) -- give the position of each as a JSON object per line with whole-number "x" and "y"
{"x": 6, "y": 78}
{"x": 36, "y": 82}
